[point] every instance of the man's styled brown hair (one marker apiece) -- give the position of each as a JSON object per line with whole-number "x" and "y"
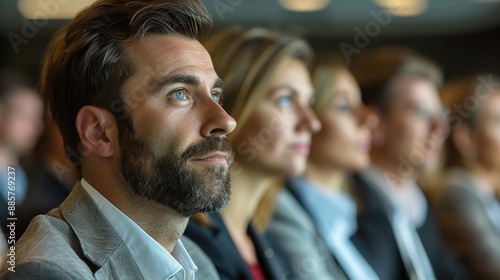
{"x": 376, "y": 70}
{"x": 85, "y": 63}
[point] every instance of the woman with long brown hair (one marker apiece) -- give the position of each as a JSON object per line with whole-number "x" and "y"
{"x": 319, "y": 219}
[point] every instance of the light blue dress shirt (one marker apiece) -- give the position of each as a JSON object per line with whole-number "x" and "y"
{"x": 21, "y": 184}
{"x": 335, "y": 218}
{"x": 153, "y": 260}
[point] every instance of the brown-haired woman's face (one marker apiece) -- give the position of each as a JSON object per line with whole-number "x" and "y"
{"x": 276, "y": 138}
{"x": 488, "y": 133}
{"x": 344, "y": 140}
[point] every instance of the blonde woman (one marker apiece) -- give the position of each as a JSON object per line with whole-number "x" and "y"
{"x": 317, "y": 219}
{"x": 268, "y": 91}
{"x": 468, "y": 206}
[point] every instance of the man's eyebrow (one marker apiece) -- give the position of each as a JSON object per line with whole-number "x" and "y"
{"x": 169, "y": 80}
{"x": 218, "y": 84}
{"x": 189, "y": 79}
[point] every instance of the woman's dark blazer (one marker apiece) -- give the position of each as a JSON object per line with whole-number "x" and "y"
{"x": 218, "y": 245}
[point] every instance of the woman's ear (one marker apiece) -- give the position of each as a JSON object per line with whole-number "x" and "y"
{"x": 463, "y": 140}
{"x": 96, "y": 127}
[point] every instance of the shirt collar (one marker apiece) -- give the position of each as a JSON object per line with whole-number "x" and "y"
{"x": 334, "y": 213}
{"x": 153, "y": 260}
{"x": 409, "y": 202}
{"x": 461, "y": 177}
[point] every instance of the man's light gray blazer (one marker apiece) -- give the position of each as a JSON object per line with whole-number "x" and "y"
{"x": 75, "y": 241}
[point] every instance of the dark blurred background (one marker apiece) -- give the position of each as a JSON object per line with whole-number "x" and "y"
{"x": 462, "y": 36}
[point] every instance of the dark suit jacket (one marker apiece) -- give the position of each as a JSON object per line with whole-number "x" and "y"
{"x": 218, "y": 245}
{"x": 75, "y": 241}
{"x": 467, "y": 229}
{"x": 444, "y": 264}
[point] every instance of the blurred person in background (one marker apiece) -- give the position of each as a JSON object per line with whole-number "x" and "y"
{"x": 51, "y": 175}
{"x": 468, "y": 206}
{"x": 401, "y": 86}
{"x": 268, "y": 92}
{"x": 21, "y": 124}
{"x": 319, "y": 220}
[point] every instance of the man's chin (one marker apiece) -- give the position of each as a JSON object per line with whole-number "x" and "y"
{"x": 204, "y": 210}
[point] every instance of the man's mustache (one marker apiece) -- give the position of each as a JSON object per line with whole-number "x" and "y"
{"x": 209, "y": 145}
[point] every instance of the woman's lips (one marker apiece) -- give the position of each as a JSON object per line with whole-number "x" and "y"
{"x": 302, "y": 148}
{"x": 365, "y": 145}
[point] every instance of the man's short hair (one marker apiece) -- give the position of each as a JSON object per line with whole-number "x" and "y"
{"x": 85, "y": 63}
{"x": 376, "y": 70}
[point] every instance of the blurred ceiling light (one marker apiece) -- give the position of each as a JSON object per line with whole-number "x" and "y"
{"x": 403, "y": 8}
{"x": 303, "y": 5}
{"x": 56, "y": 9}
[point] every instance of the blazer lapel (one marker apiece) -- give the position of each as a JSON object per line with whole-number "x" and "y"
{"x": 101, "y": 245}
{"x": 223, "y": 238}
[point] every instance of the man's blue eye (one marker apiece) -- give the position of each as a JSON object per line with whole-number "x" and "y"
{"x": 179, "y": 94}
{"x": 216, "y": 97}
{"x": 285, "y": 101}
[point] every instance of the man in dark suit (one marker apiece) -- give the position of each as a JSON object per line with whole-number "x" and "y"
{"x": 137, "y": 101}
{"x": 402, "y": 88}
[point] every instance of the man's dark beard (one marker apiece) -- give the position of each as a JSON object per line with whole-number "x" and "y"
{"x": 169, "y": 180}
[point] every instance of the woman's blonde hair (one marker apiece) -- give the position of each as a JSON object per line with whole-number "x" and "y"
{"x": 325, "y": 71}
{"x": 246, "y": 61}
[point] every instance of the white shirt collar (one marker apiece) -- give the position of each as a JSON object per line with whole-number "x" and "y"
{"x": 153, "y": 260}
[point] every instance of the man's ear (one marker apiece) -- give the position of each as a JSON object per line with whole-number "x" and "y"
{"x": 96, "y": 127}
{"x": 378, "y": 131}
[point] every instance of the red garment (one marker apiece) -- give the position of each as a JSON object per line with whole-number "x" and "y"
{"x": 256, "y": 271}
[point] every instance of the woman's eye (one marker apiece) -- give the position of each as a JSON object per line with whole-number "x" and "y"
{"x": 179, "y": 94}
{"x": 285, "y": 101}
{"x": 496, "y": 120}
{"x": 344, "y": 108}
{"x": 421, "y": 112}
